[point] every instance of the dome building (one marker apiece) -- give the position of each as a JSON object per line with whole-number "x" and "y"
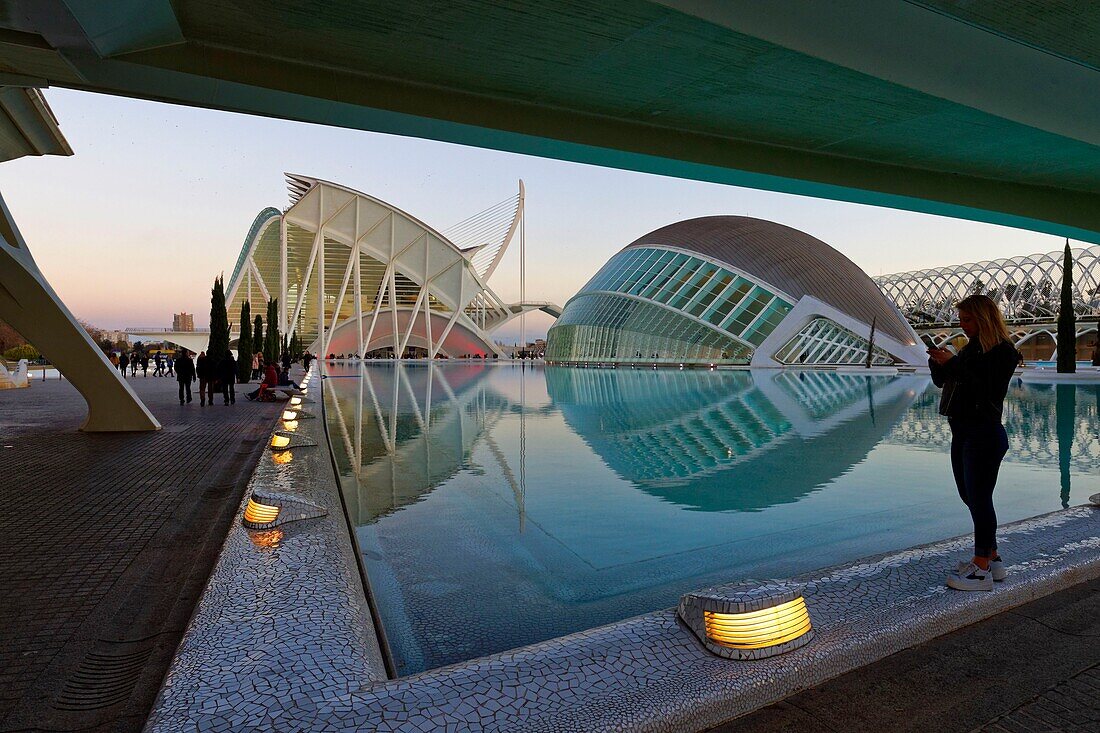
{"x": 731, "y": 290}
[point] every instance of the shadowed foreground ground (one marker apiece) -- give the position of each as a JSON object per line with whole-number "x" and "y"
{"x": 107, "y": 541}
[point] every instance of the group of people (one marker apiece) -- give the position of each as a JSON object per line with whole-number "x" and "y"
{"x": 220, "y": 375}
{"x": 162, "y": 365}
{"x": 213, "y": 374}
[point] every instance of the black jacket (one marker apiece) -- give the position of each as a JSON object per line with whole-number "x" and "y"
{"x": 185, "y": 369}
{"x": 975, "y": 382}
{"x": 227, "y": 369}
{"x": 204, "y": 367}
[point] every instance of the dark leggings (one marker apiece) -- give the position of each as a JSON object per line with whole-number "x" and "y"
{"x": 977, "y": 448}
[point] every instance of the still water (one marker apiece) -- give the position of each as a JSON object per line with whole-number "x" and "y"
{"x": 499, "y": 505}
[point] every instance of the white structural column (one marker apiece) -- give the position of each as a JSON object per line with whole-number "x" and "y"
{"x": 31, "y": 306}
{"x": 357, "y": 253}
{"x": 283, "y": 325}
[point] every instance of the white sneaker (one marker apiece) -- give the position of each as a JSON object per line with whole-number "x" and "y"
{"x": 970, "y": 577}
{"x": 996, "y": 569}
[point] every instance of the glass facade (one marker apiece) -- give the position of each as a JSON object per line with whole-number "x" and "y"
{"x": 653, "y": 304}
{"x": 823, "y": 341}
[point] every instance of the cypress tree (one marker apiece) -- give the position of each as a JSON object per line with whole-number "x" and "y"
{"x": 257, "y": 335}
{"x": 219, "y": 324}
{"x": 1067, "y": 320}
{"x": 244, "y": 345}
{"x": 271, "y": 343}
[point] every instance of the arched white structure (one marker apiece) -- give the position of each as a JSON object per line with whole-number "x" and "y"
{"x": 354, "y": 274}
{"x": 1026, "y": 288}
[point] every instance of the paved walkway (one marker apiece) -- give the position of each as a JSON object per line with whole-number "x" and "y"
{"x": 1037, "y": 666}
{"x": 107, "y": 542}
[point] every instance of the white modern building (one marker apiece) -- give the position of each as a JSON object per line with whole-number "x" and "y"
{"x": 731, "y": 290}
{"x": 355, "y": 275}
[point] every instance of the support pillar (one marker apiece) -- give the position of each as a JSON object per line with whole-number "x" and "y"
{"x": 33, "y": 309}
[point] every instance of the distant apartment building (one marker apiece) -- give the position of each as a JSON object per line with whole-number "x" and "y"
{"x": 183, "y": 322}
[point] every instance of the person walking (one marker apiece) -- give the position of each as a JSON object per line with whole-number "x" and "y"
{"x": 113, "y": 358}
{"x": 306, "y": 359}
{"x": 975, "y": 382}
{"x": 227, "y": 373}
{"x": 168, "y": 363}
{"x": 185, "y": 374}
{"x": 145, "y": 365}
{"x": 256, "y": 365}
{"x": 204, "y": 367}
{"x": 134, "y": 359}
{"x": 123, "y": 362}
{"x": 158, "y": 365}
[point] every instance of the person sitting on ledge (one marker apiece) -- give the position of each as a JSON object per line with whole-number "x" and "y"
{"x": 285, "y": 380}
{"x": 266, "y": 390}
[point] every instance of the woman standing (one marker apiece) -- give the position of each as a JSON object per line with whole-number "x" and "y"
{"x": 974, "y": 385}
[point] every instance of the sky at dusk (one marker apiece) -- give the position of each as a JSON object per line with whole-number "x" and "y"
{"x": 157, "y": 200}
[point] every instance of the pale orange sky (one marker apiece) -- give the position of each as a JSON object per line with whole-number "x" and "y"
{"x": 158, "y": 198}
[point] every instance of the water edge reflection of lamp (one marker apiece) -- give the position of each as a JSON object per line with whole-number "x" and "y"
{"x": 748, "y": 621}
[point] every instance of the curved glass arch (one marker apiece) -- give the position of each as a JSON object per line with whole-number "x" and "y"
{"x": 656, "y": 304}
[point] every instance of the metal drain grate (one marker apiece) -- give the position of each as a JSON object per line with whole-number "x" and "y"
{"x": 103, "y": 679}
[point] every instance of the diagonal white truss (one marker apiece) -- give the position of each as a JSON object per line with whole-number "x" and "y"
{"x": 397, "y": 282}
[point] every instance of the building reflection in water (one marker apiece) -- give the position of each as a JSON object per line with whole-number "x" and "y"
{"x": 1048, "y": 425}
{"x": 590, "y": 495}
{"x": 711, "y": 441}
{"x": 727, "y": 440}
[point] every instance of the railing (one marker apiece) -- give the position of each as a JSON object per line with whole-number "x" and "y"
{"x": 142, "y": 329}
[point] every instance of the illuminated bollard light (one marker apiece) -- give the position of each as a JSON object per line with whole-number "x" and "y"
{"x": 265, "y": 510}
{"x": 748, "y": 621}
{"x": 283, "y": 442}
{"x": 297, "y": 414}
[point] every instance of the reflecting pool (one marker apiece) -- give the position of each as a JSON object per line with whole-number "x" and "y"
{"x": 500, "y": 505}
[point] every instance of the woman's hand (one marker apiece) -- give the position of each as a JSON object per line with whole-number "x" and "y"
{"x": 940, "y": 356}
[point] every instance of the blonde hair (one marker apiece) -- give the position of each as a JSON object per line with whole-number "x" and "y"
{"x": 991, "y": 324}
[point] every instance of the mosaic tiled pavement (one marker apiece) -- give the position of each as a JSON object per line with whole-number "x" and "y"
{"x": 106, "y": 542}
{"x": 281, "y": 638}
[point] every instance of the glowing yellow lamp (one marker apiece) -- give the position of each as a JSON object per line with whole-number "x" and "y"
{"x": 295, "y": 401}
{"x": 290, "y": 425}
{"x": 280, "y": 442}
{"x": 257, "y": 513}
{"x": 282, "y": 457}
{"x": 265, "y": 510}
{"x": 290, "y": 415}
{"x": 748, "y": 622}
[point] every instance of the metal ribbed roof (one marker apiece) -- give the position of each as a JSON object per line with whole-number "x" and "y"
{"x": 792, "y": 261}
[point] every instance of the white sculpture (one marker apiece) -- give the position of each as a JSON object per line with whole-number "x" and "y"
{"x": 20, "y": 378}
